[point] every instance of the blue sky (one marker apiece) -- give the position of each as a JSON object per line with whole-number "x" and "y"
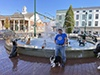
{"x": 8, "y": 7}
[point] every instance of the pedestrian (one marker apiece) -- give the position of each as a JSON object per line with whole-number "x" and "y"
{"x": 14, "y": 49}
{"x": 44, "y": 44}
{"x": 60, "y": 41}
{"x": 95, "y": 39}
{"x": 39, "y": 35}
{"x": 28, "y": 41}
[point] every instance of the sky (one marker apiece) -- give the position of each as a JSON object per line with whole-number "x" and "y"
{"x": 46, "y": 7}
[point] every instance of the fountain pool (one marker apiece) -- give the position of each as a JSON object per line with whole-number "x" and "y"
{"x": 35, "y": 48}
{"x": 38, "y": 43}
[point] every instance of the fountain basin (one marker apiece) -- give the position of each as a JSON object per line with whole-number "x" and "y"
{"x": 34, "y": 51}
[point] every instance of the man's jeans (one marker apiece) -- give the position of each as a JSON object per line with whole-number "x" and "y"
{"x": 61, "y": 49}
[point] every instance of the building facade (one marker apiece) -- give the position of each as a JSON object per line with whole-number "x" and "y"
{"x": 22, "y": 22}
{"x": 87, "y": 16}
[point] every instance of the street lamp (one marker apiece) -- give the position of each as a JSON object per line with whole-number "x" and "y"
{"x": 85, "y": 22}
{"x": 34, "y": 18}
{"x": 84, "y": 35}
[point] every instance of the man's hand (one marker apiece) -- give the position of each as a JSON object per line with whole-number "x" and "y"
{"x": 55, "y": 41}
{"x": 66, "y": 42}
{"x": 63, "y": 45}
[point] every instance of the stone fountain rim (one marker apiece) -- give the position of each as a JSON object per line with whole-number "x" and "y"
{"x": 70, "y": 49}
{"x": 48, "y": 52}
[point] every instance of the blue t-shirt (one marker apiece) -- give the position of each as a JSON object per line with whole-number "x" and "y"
{"x": 60, "y": 38}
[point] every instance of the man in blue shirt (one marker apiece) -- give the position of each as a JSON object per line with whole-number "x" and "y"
{"x": 60, "y": 41}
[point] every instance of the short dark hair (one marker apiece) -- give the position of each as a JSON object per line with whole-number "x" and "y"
{"x": 59, "y": 29}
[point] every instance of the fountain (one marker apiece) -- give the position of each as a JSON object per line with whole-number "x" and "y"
{"x": 44, "y": 46}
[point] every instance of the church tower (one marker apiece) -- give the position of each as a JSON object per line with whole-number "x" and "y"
{"x": 24, "y": 10}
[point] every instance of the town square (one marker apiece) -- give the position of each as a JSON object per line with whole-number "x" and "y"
{"x": 50, "y": 37}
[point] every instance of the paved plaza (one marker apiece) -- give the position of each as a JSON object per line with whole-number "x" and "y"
{"x": 27, "y": 65}
{"x": 37, "y": 36}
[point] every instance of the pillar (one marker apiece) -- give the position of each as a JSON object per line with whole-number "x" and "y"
{"x": 14, "y": 25}
{"x": 28, "y": 25}
{"x": 18, "y": 25}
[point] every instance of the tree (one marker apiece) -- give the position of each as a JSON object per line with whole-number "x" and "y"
{"x": 69, "y": 20}
{"x": 6, "y": 24}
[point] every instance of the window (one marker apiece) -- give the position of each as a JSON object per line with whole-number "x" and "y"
{"x": 16, "y": 27}
{"x": 21, "y": 22}
{"x": 97, "y": 16}
{"x": 77, "y": 11}
{"x": 90, "y": 32}
{"x": 27, "y": 27}
{"x": 42, "y": 28}
{"x": 83, "y": 23}
{"x": 77, "y": 17}
{"x": 97, "y": 10}
{"x": 90, "y": 16}
{"x": 83, "y": 17}
{"x": 11, "y": 27}
{"x": 21, "y": 27}
{"x": 57, "y": 24}
{"x": 96, "y": 32}
{"x": 60, "y": 17}
{"x": 60, "y": 22}
{"x": 16, "y": 21}
{"x": 90, "y": 10}
{"x": 2, "y": 22}
{"x": 89, "y": 23}
{"x": 77, "y": 23}
{"x": 83, "y": 10}
{"x": 96, "y": 23}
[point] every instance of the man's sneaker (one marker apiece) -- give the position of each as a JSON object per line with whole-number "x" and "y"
{"x": 10, "y": 56}
{"x": 98, "y": 68}
{"x": 63, "y": 64}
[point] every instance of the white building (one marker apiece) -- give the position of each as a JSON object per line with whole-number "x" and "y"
{"x": 89, "y": 16}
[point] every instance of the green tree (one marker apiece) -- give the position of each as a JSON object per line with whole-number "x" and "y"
{"x": 6, "y": 24}
{"x": 69, "y": 20}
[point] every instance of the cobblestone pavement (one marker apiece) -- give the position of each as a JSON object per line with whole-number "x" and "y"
{"x": 27, "y": 65}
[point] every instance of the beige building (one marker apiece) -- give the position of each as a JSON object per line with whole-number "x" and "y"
{"x": 22, "y": 22}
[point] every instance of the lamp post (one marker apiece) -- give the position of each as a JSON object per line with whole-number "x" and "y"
{"x": 85, "y": 22}
{"x": 34, "y": 18}
{"x": 84, "y": 35}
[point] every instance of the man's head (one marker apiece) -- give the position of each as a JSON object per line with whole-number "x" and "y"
{"x": 60, "y": 31}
